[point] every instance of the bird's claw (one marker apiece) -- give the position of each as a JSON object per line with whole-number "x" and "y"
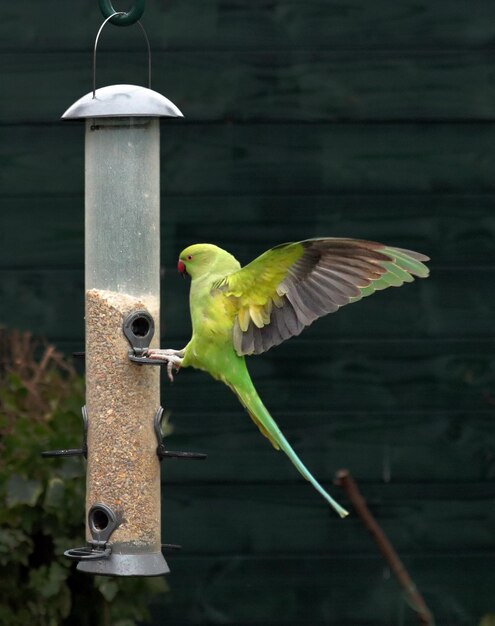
{"x": 173, "y": 366}
{"x": 173, "y": 359}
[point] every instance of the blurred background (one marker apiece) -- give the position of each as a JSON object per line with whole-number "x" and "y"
{"x": 302, "y": 119}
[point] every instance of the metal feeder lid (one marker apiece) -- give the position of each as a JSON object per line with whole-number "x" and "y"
{"x": 122, "y": 101}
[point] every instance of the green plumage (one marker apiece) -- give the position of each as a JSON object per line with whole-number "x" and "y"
{"x": 237, "y": 311}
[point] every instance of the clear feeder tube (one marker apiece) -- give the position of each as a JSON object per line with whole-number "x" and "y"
{"x": 122, "y": 250}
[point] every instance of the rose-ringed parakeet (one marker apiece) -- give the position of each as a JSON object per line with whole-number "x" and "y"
{"x": 242, "y": 311}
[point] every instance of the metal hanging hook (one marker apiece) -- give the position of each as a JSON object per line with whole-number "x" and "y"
{"x": 121, "y": 18}
{"x": 109, "y": 19}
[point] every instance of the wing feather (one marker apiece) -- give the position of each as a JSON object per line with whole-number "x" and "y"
{"x": 288, "y": 319}
{"x": 304, "y": 313}
{"x": 285, "y": 289}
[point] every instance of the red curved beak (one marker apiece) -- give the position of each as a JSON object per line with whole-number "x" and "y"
{"x": 181, "y": 267}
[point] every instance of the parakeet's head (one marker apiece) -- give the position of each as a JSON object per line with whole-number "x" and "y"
{"x": 201, "y": 258}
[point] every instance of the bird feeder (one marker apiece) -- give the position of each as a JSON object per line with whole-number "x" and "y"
{"x": 122, "y": 255}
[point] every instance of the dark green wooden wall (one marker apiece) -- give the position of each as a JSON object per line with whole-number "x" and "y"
{"x": 304, "y": 118}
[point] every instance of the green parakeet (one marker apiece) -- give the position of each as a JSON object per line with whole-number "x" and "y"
{"x": 242, "y": 311}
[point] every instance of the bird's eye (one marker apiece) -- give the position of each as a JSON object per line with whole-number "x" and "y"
{"x": 189, "y": 257}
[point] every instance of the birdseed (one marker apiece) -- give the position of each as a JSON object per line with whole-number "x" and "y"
{"x": 123, "y": 470}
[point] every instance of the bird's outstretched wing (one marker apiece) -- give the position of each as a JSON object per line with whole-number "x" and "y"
{"x": 291, "y": 285}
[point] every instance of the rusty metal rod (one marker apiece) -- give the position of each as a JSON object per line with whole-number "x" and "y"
{"x": 346, "y": 481}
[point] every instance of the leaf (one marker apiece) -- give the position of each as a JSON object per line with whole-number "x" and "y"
{"x": 15, "y": 545}
{"x": 108, "y": 588}
{"x": 16, "y": 384}
{"x": 64, "y": 601}
{"x": 48, "y": 581}
{"x": 54, "y": 497}
{"x": 158, "y": 585}
{"x": 71, "y": 467}
{"x": 488, "y": 620}
{"x": 22, "y": 490}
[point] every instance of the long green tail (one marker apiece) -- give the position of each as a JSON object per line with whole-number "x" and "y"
{"x": 259, "y": 414}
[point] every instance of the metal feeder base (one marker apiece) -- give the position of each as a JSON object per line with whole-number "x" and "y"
{"x": 151, "y": 564}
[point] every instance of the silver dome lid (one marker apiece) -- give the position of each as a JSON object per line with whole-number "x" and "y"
{"x": 122, "y": 101}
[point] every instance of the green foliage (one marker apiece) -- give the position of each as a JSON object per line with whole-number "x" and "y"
{"x": 42, "y": 500}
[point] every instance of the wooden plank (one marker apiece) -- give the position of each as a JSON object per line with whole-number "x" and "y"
{"x": 42, "y": 233}
{"x": 377, "y": 445}
{"x": 45, "y": 303}
{"x": 266, "y": 24}
{"x": 327, "y": 590}
{"x": 266, "y": 86}
{"x": 290, "y": 519}
{"x": 356, "y": 375}
{"x": 438, "y": 307}
{"x": 270, "y": 159}
{"x": 455, "y": 229}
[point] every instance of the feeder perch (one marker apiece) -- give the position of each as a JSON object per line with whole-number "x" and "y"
{"x": 122, "y": 417}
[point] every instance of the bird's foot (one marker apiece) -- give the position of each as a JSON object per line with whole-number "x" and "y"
{"x": 173, "y": 359}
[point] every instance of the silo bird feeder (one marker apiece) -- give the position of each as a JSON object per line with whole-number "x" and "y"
{"x": 122, "y": 416}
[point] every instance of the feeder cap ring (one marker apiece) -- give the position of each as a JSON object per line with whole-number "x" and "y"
{"x": 122, "y": 101}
